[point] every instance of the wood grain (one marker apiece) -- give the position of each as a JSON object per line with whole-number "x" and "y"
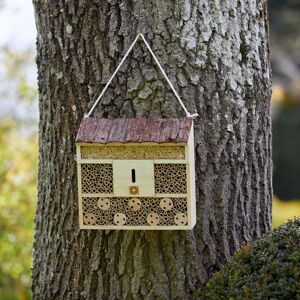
{"x": 118, "y": 131}
{"x": 134, "y": 130}
{"x": 102, "y": 135}
{"x": 103, "y": 131}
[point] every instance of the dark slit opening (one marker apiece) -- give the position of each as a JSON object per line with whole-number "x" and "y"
{"x": 133, "y": 175}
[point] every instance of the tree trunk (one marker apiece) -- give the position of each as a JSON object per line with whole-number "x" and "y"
{"x": 217, "y": 55}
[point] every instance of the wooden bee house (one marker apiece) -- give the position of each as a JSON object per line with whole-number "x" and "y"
{"x": 136, "y": 174}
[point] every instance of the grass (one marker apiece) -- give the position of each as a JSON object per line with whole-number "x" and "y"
{"x": 284, "y": 211}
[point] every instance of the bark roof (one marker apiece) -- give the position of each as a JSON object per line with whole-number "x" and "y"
{"x": 103, "y": 131}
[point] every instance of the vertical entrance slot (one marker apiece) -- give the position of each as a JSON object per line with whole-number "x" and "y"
{"x": 133, "y": 175}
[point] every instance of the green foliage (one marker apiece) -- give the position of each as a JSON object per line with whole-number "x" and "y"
{"x": 267, "y": 269}
{"x": 17, "y": 66}
{"x": 18, "y": 165}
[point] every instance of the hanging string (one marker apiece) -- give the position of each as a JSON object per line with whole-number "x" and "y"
{"x": 188, "y": 114}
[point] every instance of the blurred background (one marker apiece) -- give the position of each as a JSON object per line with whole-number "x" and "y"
{"x": 19, "y": 126}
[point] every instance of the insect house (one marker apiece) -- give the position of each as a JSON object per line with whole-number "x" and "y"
{"x": 136, "y": 173}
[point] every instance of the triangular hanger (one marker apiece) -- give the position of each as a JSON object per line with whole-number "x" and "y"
{"x": 159, "y": 66}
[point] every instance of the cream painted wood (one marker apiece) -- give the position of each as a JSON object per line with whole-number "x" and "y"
{"x": 133, "y": 144}
{"x": 122, "y": 180}
{"x": 170, "y": 161}
{"x": 148, "y": 227}
{"x": 97, "y": 195}
{"x": 95, "y": 161}
{"x": 171, "y": 195}
{"x": 131, "y": 196}
{"x": 192, "y": 181}
{"x": 110, "y": 161}
{"x": 144, "y": 177}
{"x": 189, "y": 207}
{"x": 79, "y": 188}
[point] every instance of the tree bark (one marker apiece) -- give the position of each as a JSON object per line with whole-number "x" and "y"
{"x": 217, "y": 55}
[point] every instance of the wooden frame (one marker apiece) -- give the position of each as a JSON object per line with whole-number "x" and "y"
{"x": 190, "y": 196}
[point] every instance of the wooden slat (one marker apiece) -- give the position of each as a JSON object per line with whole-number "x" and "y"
{"x": 184, "y": 130}
{"x": 154, "y": 130}
{"x": 103, "y": 131}
{"x": 87, "y": 130}
{"x": 146, "y": 134}
{"x": 104, "y": 128}
{"x": 118, "y": 131}
{"x": 169, "y": 130}
{"x": 134, "y": 130}
{"x": 81, "y": 131}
